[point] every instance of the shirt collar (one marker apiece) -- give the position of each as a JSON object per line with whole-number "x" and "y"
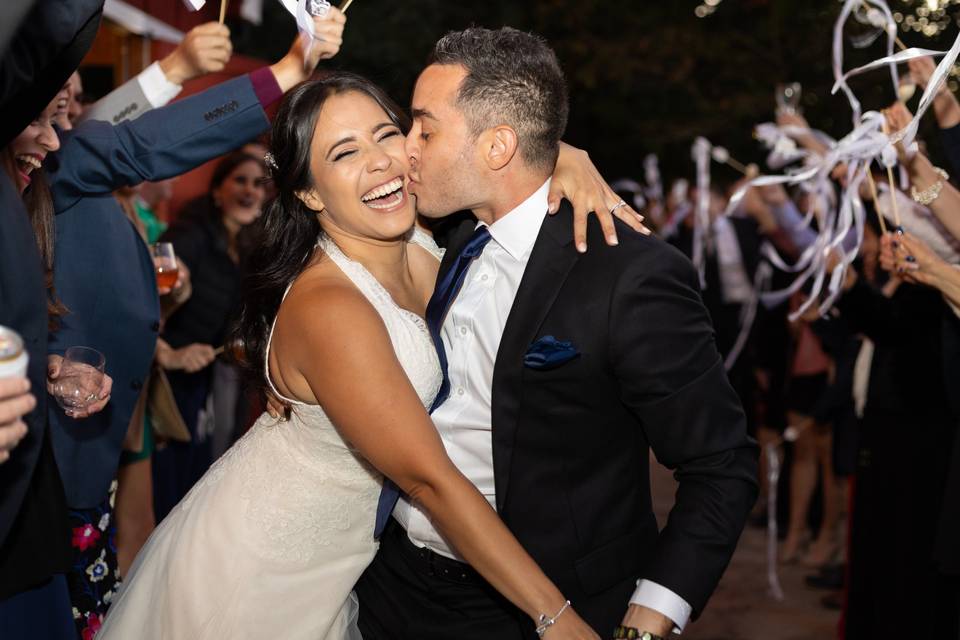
{"x": 517, "y": 231}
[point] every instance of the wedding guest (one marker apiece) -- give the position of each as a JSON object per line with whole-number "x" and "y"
{"x": 34, "y": 539}
{"x": 906, "y": 437}
{"x": 99, "y": 250}
{"x": 946, "y": 109}
{"x": 911, "y": 259}
{"x": 212, "y": 244}
{"x": 810, "y": 370}
{"x": 929, "y": 185}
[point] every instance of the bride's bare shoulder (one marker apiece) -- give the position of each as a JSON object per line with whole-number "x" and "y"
{"x": 325, "y": 305}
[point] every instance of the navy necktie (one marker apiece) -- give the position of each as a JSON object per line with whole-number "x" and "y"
{"x": 440, "y": 302}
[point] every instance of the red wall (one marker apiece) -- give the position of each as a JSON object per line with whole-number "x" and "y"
{"x": 194, "y": 183}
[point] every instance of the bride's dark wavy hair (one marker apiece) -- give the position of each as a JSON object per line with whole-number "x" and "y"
{"x": 287, "y": 231}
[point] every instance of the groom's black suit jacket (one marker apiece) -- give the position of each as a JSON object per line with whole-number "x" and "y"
{"x": 571, "y": 444}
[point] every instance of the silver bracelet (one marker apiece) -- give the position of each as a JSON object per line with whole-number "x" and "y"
{"x": 932, "y": 192}
{"x": 546, "y": 623}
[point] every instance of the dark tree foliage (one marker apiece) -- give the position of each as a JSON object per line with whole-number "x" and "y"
{"x": 644, "y": 75}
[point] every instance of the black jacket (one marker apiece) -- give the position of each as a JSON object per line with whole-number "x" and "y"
{"x": 33, "y": 511}
{"x": 571, "y": 444}
{"x": 201, "y": 243}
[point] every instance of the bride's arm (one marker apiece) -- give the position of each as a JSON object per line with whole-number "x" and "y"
{"x": 346, "y": 358}
{"x": 575, "y": 178}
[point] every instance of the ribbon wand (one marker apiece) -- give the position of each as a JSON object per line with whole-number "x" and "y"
{"x": 223, "y": 10}
{"x": 722, "y": 156}
{"x": 876, "y": 201}
{"x": 893, "y": 193}
{"x": 346, "y": 5}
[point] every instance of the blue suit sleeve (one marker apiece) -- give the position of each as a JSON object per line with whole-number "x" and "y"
{"x": 96, "y": 158}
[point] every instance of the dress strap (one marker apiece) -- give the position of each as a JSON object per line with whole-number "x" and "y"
{"x": 424, "y": 240}
{"x": 266, "y": 357}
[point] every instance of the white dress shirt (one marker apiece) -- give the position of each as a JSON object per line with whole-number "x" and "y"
{"x": 155, "y": 86}
{"x": 471, "y": 335}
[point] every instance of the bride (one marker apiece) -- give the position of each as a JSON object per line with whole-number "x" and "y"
{"x": 272, "y": 539}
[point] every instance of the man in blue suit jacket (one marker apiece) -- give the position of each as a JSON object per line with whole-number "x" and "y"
{"x": 103, "y": 270}
{"x": 34, "y": 542}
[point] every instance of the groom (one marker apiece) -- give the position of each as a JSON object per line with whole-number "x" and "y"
{"x": 562, "y": 371}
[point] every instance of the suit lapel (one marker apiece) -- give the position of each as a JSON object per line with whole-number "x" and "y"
{"x": 551, "y": 260}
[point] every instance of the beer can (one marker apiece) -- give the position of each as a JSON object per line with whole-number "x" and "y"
{"x": 13, "y": 357}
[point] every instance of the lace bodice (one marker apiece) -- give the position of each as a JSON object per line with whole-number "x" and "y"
{"x": 408, "y": 332}
{"x": 277, "y": 532}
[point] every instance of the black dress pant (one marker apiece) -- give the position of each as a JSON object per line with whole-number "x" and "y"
{"x": 409, "y": 593}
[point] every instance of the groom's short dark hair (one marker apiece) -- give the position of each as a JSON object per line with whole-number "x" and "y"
{"x": 513, "y": 78}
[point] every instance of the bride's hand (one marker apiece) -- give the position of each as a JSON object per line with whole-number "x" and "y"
{"x": 570, "y": 626}
{"x": 302, "y": 59}
{"x": 577, "y": 180}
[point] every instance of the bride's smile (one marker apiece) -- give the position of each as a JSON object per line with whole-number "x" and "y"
{"x": 359, "y": 169}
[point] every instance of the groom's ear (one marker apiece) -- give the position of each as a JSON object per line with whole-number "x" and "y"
{"x": 499, "y": 145}
{"x": 312, "y": 199}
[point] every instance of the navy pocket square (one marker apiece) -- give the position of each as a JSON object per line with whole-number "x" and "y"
{"x": 549, "y": 353}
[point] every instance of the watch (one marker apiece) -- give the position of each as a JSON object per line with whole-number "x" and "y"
{"x": 631, "y": 633}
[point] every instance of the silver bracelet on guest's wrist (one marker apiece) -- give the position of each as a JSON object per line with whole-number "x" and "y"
{"x": 931, "y": 193}
{"x": 546, "y": 622}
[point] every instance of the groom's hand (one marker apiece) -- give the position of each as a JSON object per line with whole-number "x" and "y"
{"x": 644, "y": 619}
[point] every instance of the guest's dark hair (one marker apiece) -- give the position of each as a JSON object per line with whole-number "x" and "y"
{"x": 513, "y": 78}
{"x": 38, "y": 202}
{"x": 288, "y": 230}
{"x": 230, "y": 162}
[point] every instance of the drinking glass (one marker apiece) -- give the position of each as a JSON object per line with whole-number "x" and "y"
{"x": 788, "y": 97}
{"x": 80, "y": 379}
{"x": 165, "y": 263}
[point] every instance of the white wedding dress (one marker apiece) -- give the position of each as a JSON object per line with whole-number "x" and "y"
{"x": 270, "y": 542}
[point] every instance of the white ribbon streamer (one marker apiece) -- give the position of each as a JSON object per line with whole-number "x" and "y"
{"x": 701, "y": 220}
{"x": 849, "y": 6}
{"x": 773, "y": 479}
{"x": 748, "y": 313}
{"x": 654, "y": 188}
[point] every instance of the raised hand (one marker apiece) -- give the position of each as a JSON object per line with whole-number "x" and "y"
{"x": 921, "y": 69}
{"x": 307, "y": 52}
{"x": 909, "y": 257}
{"x": 788, "y": 119}
{"x": 205, "y": 49}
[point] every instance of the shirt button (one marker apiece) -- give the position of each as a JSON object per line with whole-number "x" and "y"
{"x": 484, "y": 277}
{"x": 460, "y": 391}
{"x": 463, "y": 331}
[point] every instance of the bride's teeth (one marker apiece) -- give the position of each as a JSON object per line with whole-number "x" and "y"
{"x": 382, "y": 190}
{"x": 394, "y": 201}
